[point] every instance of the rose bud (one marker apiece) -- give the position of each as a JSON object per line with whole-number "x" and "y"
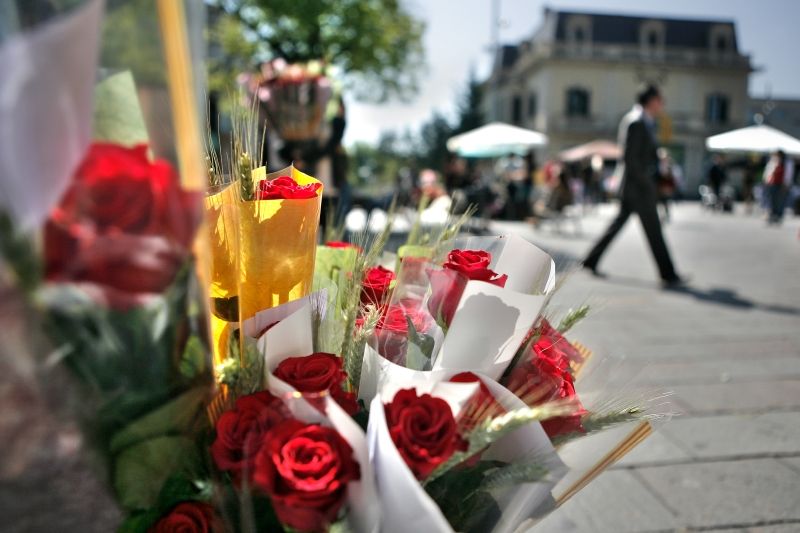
{"x": 318, "y": 372}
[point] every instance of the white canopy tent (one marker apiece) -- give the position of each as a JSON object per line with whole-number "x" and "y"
{"x": 754, "y": 139}
{"x": 495, "y": 140}
{"x": 605, "y": 149}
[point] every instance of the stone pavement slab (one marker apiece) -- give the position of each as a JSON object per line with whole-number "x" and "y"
{"x": 735, "y": 435}
{"x": 757, "y": 396}
{"x": 728, "y": 347}
{"x": 627, "y": 506}
{"x": 735, "y": 493}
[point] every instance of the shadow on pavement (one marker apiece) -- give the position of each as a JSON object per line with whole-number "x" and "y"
{"x": 730, "y": 298}
{"x": 714, "y": 295}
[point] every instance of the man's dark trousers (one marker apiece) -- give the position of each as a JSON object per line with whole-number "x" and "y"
{"x": 648, "y": 214}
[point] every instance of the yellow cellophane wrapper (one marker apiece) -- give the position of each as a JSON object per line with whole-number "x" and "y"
{"x": 277, "y": 247}
{"x": 222, "y": 222}
{"x": 222, "y": 214}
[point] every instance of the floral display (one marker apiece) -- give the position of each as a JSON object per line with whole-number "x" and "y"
{"x": 292, "y": 95}
{"x": 231, "y": 373}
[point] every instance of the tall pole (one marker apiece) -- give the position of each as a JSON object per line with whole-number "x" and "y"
{"x": 494, "y": 20}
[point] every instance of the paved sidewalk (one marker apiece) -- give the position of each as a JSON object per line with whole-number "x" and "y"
{"x": 729, "y": 349}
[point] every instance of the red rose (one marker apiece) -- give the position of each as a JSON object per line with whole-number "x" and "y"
{"x": 571, "y": 423}
{"x": 424, "y": 430}
{"x": 474, "y": 264}
{"x": 448, "y": 284}
{"x": 305, "y": 469}
{"x": 285, "y": 188}
{"x": 560, "y": 343}
{"x": 394, "y": 319}
{"x": 545, "y": 376}
{"x": 341, "y": 244}
{"x": 124, "y": 225}
{"x": 187, "y": 517}
{"x": 375, "y": 287}
{"x": 392, "y": 329}
{"x": 239, "y": 432}
{"x": 318, "y": 372}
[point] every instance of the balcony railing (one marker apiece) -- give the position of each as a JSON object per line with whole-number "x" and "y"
{"x": 637, "y": 54}
{"x": 682, "y": 124}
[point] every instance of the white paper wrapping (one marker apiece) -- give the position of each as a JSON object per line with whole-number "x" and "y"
{"x": 46, "y": 89}
{"x": 253, "y": 326}
{"x": 489, "y": 325}
{"x": 529, "y": 268}
{"x": 382, "y": 379}
{"x": 292, "y": 337}
{"x": 405, "y": 506}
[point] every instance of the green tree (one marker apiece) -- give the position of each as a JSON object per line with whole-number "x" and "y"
{"x": 377, "y": 43}
{"x": 470, "y": 113}
{"x": 433, "y": 137}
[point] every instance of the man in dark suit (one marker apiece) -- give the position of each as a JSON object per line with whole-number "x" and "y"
{"x": 639, "y": 186}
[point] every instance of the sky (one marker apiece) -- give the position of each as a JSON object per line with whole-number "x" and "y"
{"x": 457, "y": 39}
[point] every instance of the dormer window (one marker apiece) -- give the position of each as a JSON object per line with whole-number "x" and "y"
{"x": 651, "y": 36}
{"x": 721, "y": 40}
{"x": 579, "y": 31}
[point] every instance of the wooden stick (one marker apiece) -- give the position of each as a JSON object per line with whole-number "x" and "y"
{"x": 633, "y": 439}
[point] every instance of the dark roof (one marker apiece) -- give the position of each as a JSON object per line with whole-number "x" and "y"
{"x": 508, "y": 55}
{"x": 624, "y": 29}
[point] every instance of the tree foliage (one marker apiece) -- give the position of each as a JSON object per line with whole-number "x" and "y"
{"x": 377, "y": 43}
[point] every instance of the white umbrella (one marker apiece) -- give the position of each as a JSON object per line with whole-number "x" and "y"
{"x": 759, "y": 139}
{"x": 601, "y": 147}
{"x": 495, "y": 140}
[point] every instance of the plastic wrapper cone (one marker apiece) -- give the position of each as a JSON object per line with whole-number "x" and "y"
{"x": 222, "y": 224}
{"x": 277, "y": 247}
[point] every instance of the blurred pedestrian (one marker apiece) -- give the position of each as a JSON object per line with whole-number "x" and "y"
{"x": 639, "y": 188}
{"x": 717, "y": 176}
{"x": 667, "y": 184}
{"x": 748, "y": 184}
{"x": 335, "y": 149}
{"x": 775, "y": 180}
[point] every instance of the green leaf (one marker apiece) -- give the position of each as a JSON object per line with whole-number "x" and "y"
{"x": 493, "y": 429}
{"x": 572, "y": 317}
{"x": 180, "y": 489}
{"x": 463, "y": 500}
{"x": 412, "y": 250}
{"x": 332, "y": 263}
{"x": 141, "y": 470}
{"x": 420, "y": 348}
{"x": 194, "y": 359}
{"x": 139, "y": 522}
{"x": 19, "y": 253}
{"x": 598, "y": 421}
{"x": 341, "y": 526}
{"x": 514, "y": 474}
{"x": 176, "y": 417}
{"x": 117, "y": 114}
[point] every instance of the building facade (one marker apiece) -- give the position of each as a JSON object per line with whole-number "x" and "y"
{"x": 579, "y": 74}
